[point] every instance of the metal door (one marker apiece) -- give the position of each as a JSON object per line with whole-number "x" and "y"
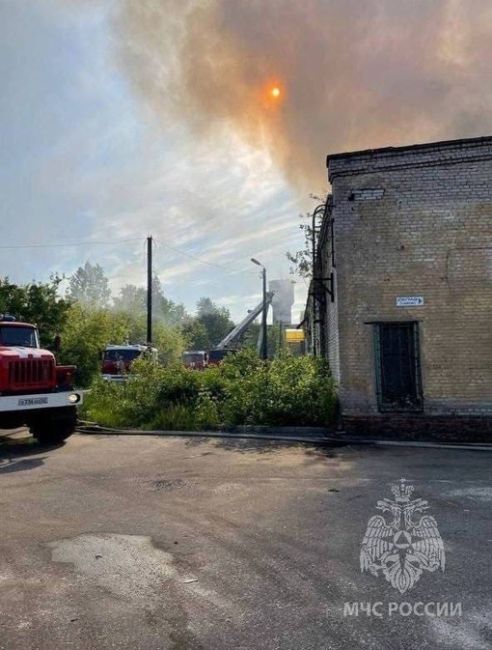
{"x": 398, "y": 367}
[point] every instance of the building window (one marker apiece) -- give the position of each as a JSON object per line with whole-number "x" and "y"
{"x": 398, "y": 379}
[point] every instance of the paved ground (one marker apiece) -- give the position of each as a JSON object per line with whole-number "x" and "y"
{"x": 154, "y": 543}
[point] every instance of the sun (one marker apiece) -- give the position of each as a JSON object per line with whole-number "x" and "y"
{"x": 272, "y": 94}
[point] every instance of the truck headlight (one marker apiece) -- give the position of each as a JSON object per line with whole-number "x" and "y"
{"x": 73, "y": 398}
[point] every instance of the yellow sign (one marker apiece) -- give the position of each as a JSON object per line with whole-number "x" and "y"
{"x": 294, "y": 336}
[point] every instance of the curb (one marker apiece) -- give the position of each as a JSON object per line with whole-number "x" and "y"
{"x": 474, "y": 446}
{"x": 335, "y": 441}
{"x": 213, "y": 434}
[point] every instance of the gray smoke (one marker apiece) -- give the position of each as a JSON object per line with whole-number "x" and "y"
{"x": 352, "y": 74}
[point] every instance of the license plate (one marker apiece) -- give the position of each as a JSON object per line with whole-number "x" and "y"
{"x": 32, "y": 401}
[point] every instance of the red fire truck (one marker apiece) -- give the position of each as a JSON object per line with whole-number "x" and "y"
{"x": 34, "y": 391}
{"x": 117, "y": 359}
{"x": 195, "y": 359}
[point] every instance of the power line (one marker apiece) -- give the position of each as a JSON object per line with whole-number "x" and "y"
{"x": 116, "y": 242}
{"x": 192, "y": 256}
{"x": 222, "y": 267}
{"x": 69, "y": 244}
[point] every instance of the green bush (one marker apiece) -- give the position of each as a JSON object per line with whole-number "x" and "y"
{"x": 88, "y": 330}
{"x": 242, "y": 390}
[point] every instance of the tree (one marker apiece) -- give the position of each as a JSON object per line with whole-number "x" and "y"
{"x": 37, "y": 303}
{"x": 89, "y": 285}
{"x": 89, "y": 330}
{"x": 208, "y": 327}
{"x": 302, "y": 260}
{"x": 205, "y": 306}
{"x": 215, "y": 320}
{"x": 169, "y": 342}
{"x": 195, "y": 335}
{"x": 168, "y": 339}
{"x": 275, "y": 333}
{"x": 133, "y": 299}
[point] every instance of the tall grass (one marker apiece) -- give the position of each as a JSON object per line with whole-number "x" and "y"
{"x": 292, "y": 391}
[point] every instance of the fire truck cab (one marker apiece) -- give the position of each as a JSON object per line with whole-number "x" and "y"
{"x": 117, "y": 360}
{"x": 34, "y": 391}
{"x": 195, "y": 359}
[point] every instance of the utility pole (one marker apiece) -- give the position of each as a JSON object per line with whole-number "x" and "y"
{"x": 264, "y": 342}
{"x": 149, "y": 291}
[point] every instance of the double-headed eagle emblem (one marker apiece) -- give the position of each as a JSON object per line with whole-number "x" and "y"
{"x": 402, "y": 548}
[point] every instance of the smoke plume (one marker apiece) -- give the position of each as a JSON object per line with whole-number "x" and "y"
{"x": 350, "y": 74}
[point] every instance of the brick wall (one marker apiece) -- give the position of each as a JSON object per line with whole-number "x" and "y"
{"x": 414, "y": 222}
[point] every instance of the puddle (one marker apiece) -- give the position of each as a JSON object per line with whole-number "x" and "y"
{"x": 476, "y": 493}
{"x": 469, "y": 634}
{"x": 129, "y": 566}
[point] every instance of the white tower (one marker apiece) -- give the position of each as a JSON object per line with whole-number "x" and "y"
{"x": 283, "y": 299}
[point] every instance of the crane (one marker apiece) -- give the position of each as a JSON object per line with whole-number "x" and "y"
{"x": 236, "y": 333}
{"x": 199, "y": 359}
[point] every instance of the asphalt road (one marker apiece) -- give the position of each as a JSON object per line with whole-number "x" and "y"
{"x": 156, "y": 543}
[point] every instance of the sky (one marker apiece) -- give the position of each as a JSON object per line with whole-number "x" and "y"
{"x": 82, "y": 160}
{"x": 121, "y": 119}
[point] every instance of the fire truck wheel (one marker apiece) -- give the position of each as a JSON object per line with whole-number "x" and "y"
{"x": 53, "y": 430}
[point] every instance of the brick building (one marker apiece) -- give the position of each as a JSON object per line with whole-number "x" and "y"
{"x": 401, "y": 301}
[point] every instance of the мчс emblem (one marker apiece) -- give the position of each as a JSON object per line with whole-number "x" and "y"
{"x": 402, "y": 548}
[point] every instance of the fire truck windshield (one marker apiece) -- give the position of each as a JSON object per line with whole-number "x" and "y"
{"x": 18, "y": 337}
{"x": 121, "y": 355}
{"x": 194, "y": 357}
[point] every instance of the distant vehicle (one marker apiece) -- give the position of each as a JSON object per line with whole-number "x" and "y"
{"x": 216, "y": 356}
{"x": 117, "y": 360}
{"x": 34, "y": 391}
{"x": 199, "y": 359}
{"x": 195, "y": 359}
